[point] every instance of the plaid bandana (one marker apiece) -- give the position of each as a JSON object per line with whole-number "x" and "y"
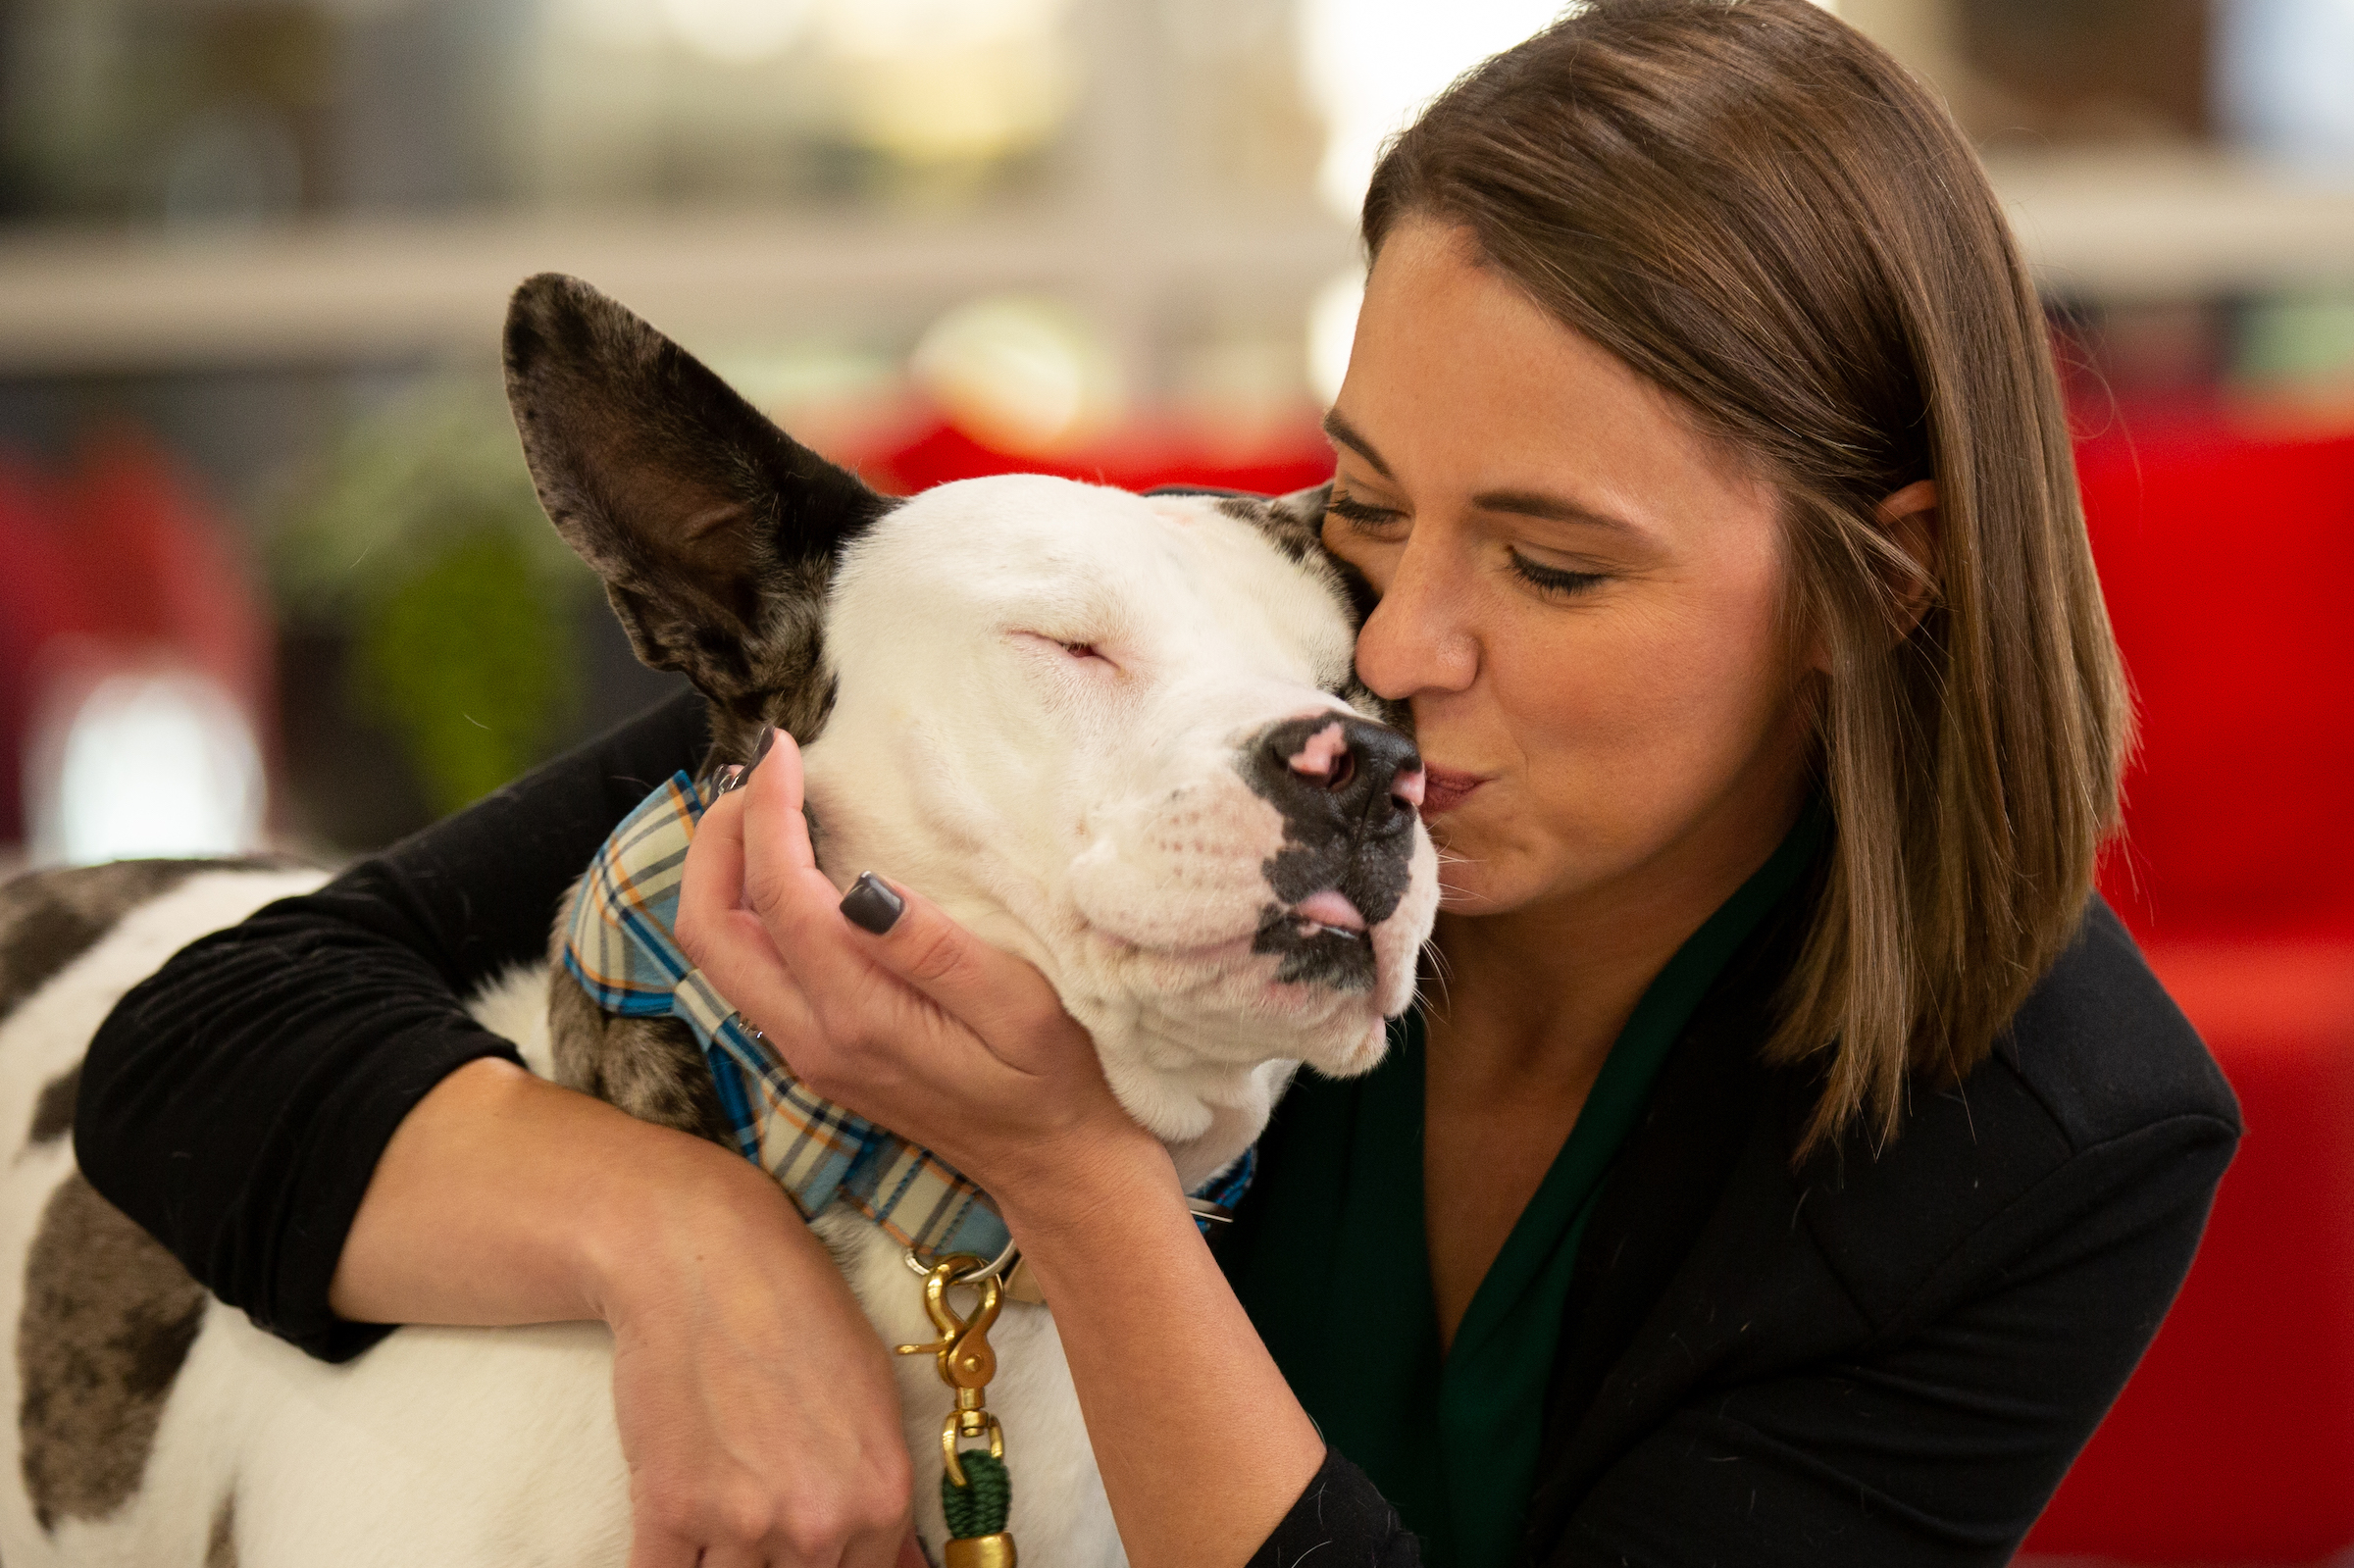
{"x": 621, "y": 950}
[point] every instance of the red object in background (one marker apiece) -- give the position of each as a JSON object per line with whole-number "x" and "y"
{"x": 2227, "y": 563}
{"x": 165, "y": 568}
{"x": 43, "y": 593}
{"x": 117, "y": 565}
{"x": 2225, "y": 560}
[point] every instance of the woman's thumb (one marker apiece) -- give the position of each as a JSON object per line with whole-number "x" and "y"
{"x": 914, "y": 939}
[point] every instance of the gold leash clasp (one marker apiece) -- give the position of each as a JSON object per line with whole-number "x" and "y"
{"x": 963, "y": 1355}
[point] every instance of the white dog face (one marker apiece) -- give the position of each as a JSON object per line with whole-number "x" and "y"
{"x": 1119, "y": 735}
{"x": 1111, "y": 732}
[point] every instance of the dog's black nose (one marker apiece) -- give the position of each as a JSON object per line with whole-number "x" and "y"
{"x": 1341, "y": 772}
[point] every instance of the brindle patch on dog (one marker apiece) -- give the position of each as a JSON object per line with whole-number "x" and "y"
{"x": 108, "y": 1319}
{"x": 1294, "y": 525}
{"x": 50, "y": 918}
{"x": 53, "y": 1112}
{"x": 715, "y": 532}
{"x": 650, "y": 1067}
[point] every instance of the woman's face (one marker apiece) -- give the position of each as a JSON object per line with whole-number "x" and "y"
{"x": 1579, "y": 597}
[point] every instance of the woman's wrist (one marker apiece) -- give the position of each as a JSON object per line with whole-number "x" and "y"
{"x": 1106, "y": 1182}
{"x": 689, "y": 1207}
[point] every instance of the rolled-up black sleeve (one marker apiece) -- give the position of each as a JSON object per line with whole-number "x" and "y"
{"x": 236, "y": 1102}
{"x": 1342, "y": 1519}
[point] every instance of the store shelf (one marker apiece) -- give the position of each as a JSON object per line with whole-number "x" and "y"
{"x": 2176, "y": 224}
{"x": 366, "y": 290}
{"x": 2107, "y": 226}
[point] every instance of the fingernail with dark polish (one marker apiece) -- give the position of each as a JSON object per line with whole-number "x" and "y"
{"x": 737, "y": 775}
{"x": 871, "y": 906}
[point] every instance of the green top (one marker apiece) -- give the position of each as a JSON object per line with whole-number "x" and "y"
{"x": 1334, "y": 1267}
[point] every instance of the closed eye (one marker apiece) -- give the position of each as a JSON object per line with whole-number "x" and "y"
{"x": 1553, "y": 580}
{"x": 1360, "y": 517}
{"x": 1066, "y": 650}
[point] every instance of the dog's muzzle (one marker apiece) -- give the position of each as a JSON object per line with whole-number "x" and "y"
{"x": 1347, "y": 790}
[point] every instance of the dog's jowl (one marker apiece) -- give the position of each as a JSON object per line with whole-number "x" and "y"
{"x": 1117, "y": 736}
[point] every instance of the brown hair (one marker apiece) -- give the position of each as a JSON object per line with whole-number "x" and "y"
{"x": 1758, "y": 210}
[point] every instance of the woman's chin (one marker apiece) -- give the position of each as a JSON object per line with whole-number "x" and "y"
{"x": 1471, "y": 884}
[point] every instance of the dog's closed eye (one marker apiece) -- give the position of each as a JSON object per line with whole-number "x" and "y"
{"x": 1068, "y": 649}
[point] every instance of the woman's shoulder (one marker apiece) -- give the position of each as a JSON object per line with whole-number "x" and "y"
{"x": 2100, "y": 1098}
{"x": 2101, "y": 1050}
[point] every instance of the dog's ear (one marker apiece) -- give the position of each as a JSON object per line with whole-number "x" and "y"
{"x": 714, "y": 531}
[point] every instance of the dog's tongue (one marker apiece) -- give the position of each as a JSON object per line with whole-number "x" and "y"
{"x": 1331, "y": 907}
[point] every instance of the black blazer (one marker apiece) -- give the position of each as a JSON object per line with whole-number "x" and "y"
{"x": 1882, "y": 1358}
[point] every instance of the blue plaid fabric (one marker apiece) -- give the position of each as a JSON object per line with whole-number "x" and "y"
{"x": 621, "y": 948}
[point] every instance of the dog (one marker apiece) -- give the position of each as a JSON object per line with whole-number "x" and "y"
{"x": 1119, "y": 735}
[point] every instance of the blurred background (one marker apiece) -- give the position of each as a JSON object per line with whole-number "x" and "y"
{"x": 270, "y": 571}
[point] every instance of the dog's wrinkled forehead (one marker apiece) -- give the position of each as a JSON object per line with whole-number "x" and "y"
{"x": 1157, "y": 588}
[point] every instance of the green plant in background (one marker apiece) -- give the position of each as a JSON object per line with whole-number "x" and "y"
{"x": 2299, "y": 339}
{"x": 422, "y": 541}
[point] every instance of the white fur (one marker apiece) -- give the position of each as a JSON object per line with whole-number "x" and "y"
{"x": 1091, "y": 817}
{"x": 1088, "y": 818}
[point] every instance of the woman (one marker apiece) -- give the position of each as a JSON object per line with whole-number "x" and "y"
{"x": 1793, "y": 1158}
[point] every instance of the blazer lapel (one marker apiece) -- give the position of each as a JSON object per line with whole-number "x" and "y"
{"x": 1702, "y": 1119}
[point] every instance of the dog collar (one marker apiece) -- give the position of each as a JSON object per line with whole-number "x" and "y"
{"x": 623, "y": 949}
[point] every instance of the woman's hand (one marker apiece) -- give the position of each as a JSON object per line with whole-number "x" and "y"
{"x": 758, "y": 1408}
{"x": 920, "y": 1026}
{"x": 946, "y": 1041}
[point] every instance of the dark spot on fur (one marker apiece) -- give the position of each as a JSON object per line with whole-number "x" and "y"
{"x": 50, "y": 918}
{"x": 1281, "y": 527}
{"x": 652, "y": 1068}
{"x": 53, "y": 1112}
{"x": 1357, "y": 840}
{"x": 1342, "y": 960}
{"x": 1294, "y": 525}
{"x": 220, "y": 1551}
{"x": 715, "y": 532}
{"x": 108, "y": 1319}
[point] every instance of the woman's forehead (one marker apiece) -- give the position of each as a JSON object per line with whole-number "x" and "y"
{"x": 1460, "y": 385}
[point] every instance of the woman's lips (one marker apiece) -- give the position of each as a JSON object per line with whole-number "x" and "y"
{"x": 1443, "y": 789}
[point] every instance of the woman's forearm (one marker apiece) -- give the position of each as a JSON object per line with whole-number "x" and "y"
{"x": 1203, "y": 1448}
{"x": 503, "y": 1198}
{"x": 754, "y": 1404}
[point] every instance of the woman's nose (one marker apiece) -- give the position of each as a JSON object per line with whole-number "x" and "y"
{"x": 1418, "y": 637}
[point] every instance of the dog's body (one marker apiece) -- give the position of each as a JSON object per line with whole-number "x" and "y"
{"x": 1115, "y": 740}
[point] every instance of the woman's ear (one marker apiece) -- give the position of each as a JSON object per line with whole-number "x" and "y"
{"x": 1910, "y": 550}
{"x": 1909, "y": 520}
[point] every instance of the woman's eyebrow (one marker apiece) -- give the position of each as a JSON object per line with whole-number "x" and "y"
{"x": 1346, "y": 434}
{"x": 1518, "y": 503}
{"x": 1549, "y": 508}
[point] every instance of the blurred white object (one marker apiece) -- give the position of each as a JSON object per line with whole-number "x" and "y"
{"x": 949, "y": 81}
{"x": 916, "y": 26}
{"x": 2284, "y": 79}
{"x": 1332, "y": 331}
{"x": 1371, "y": 64}
{"x": 1018, "y": 374}
{"x": 737, "y": 31}
{"x": 130, "y": 762}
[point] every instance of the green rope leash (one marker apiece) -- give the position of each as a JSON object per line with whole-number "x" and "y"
{"x": 979, "y": 1507}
